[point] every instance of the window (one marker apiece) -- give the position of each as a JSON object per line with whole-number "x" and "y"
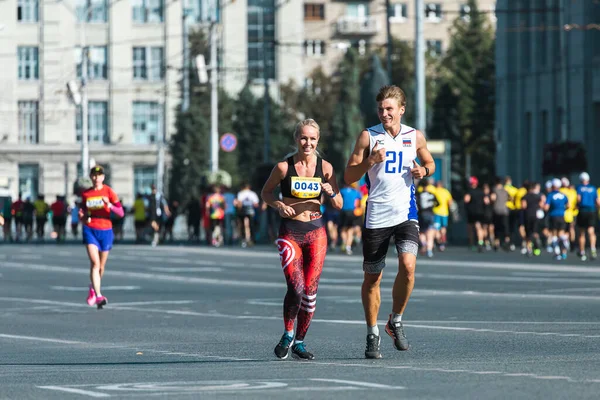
{"x": 558, "y": 121}
{"x": 28, "y": 122}
{"x": 398, "y": 12}
{"x": 542, "y": 42}
{"x": 314, "y": 12}
{"x": 465, "y": 12}
{"x": 91, "y": 11}
{"x": 433, "y": 12}
{"x": 147, "y": 122}
{"x": 261, "y": 35}
{"x": 357, "y": 10}
{"x": 143, "y": 178}
{"x": 525, "y": 35}
{"x": 314, "y": 47}
{"x": 97, "y": 122}
{"x": 28, "y": 11}
{"x": 145, "y": 11}
{"x": 28, "y": 63}
{"x": 544, "y": 134}
{"x": 199, "y": 10}
{"x": 148, "y": 63}
{"x": 434, "y": 47}
{"x": 29, "y": 180}
{"x": 97, "y": 65}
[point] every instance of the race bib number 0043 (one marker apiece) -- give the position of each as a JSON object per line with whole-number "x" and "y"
{"x": 306, "y": 188}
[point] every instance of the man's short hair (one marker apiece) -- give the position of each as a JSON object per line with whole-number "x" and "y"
{"x": 391, "y": 92}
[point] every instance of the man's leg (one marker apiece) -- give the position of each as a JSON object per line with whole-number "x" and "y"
{"x": 404, "y": 283}
{"x": 371, "y": 297}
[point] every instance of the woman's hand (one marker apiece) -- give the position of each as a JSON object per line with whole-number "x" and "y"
{"x": 327, "y": 189}
{"x": 286, "y": 211}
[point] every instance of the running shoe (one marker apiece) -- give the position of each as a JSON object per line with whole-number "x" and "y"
{"x": 594, "y": 254}
{"x": 101, "y": 301}
{"x": 373, "y": 350}
{"x": 396, "y": 332}
{"x": 91, "y": 299}
{"x": 299, "y": 352}
{"x": 281, "y": 350}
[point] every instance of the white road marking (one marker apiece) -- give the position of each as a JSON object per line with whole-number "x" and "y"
{"x": 186, "y": 269}
{"x": 356, "y": 383}
{"x": 263, "y": 284}
{"x": 39, "y": 339}
{"x": 148, "y": 303}
{"x": 74, "y": 390}
{"x": 85, "y": 288}
{"x": 328, "y": 321}
{"x": 461, "y": 371}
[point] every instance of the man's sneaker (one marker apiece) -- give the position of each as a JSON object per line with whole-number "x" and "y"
{"x": 91, "y": 299}
{"x": 281, "y": 350}
{"x": 594, "y": 254}
{"x": 396, "y": 332}
{"x": 372, "y": 350}
{"x": 299, "y": 352}
{"x": 101, "y": 301}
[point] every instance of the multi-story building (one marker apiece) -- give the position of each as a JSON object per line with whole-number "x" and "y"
{"x": 548, "y": 82}
{"x": 333, "y": 26}
{"x": 316, "y": 33}
{"x": 134, "y": 53}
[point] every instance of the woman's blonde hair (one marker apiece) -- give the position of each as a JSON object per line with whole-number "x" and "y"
{"x": 307, "y": 122}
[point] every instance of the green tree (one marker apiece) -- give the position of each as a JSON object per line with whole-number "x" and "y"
{"x": 464, "y": 108}
{"x": 372, "y": 81}
{"x": 347, "y": 120}
{"x": 190, "y": 146}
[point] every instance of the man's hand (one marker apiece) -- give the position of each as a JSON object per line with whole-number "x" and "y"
{"x": 377, "y": 154}
{"x": 417, "y": 171}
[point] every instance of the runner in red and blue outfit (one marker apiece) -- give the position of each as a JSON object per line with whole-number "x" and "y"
{"x": 96, "y": 206}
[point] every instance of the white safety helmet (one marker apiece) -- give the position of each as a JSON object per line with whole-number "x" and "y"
{"x": 565, "y": 182}
{"x": 548, "y": 184}
{"x": 584, "y": 177}
{"x": 556, "y": 183}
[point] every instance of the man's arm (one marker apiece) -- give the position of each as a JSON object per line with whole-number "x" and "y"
{"x": 425, "y": 158}
{"x": 362, "y": 158}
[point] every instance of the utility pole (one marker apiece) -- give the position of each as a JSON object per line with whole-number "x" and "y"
{"x": 266, "y": 97}
{"x": 85, "y": 150}
{"x": 214, "y": 92}
{"x": 185, "y": 103}
{"x": 420, "y": 66}
{"x": 160, "y": 164}
{"x": 389, "y": 40}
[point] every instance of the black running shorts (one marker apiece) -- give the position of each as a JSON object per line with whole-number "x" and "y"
{"x": 376, "y": 243}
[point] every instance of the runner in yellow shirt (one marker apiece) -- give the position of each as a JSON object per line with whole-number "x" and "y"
{"x": 571, "y": 212}
{"x": 513, "y": 215}
{"x": 521, "y": 192}
{"x": 441, "y": 212}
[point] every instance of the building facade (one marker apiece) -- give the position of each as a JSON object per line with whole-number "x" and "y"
{"x": 134, "y": 53}
{"x": 548, "y": 82}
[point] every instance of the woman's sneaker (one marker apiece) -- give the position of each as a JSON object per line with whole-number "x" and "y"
{"x": 282, "y": 349}
{"x": 299, "y": 352}
{"x": 101, "y": 301}
{"x": 91, "y": 299}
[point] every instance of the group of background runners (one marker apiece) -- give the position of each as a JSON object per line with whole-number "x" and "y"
{"x": 560, "y": 217}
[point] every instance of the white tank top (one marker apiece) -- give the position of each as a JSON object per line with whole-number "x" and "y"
{"x": 391, "y": 198}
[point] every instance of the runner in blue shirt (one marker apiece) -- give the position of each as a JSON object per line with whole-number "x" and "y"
{"x": 350, "y": 216}
{"x": 556, "y": 204}
{"x": 588, "y": 203}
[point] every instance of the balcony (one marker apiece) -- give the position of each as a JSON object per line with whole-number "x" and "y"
{"x": 368, "y": 25}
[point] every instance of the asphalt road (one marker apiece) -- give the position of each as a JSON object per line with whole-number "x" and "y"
{"x": 194, "y": 322}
